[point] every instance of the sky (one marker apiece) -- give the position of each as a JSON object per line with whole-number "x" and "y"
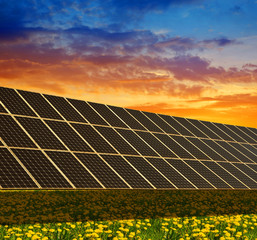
{"x": 187, "y": 58}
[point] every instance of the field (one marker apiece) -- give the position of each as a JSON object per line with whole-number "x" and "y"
{"x": 128, "y": 214}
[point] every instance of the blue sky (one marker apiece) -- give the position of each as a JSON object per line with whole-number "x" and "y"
{"x": 191, "y": 58}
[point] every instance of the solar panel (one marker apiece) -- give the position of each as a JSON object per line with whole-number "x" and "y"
{"x": 156, "y": 144}
{"x": 73, "y": 170}
{"x": 96, "y": 141}
{"x": 70, "y": 138}
{"x": 204, "y": 129}
{"x": 41, "y": 133}
{"x": 12, "y": 174}
{"x": 87, "y": 112}
{"x": 126, "y": 171}
{"x": 189, "y": 173}
{"x": 14, "y": 103}
{"x": 149, "y": 172}
{"x": 12, "y": 133}
{"x": 52, "y": 142}
{"x": 127, "y": 118}
{"x": 64, "y": 108}
{"x": 174, "y": 146}
{"x": 161, "y": 124}
{"x": 175, "y": 124}
{"x": 144, "y": 120}
{"x": 171, "y": 173}
{"x": 190, "y": 127}
{"x": 40, "y": 105}
{"x": 137, "y": 143}
{"x": 101, "y": 170}
{"x": 108, "y": 115}
{"x": 116, "y": 140}
{"x": 41, "y": 169}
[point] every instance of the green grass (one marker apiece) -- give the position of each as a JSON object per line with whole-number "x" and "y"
{"x": 128, "y": 214}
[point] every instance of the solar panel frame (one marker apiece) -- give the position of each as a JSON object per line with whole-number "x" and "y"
{"x": 245, "y": 151}
{"x": 2, "y": 109}
{"x": 249, "y": 133}
{"x": 246, "y": 168}
{"x": 40, "y": 105}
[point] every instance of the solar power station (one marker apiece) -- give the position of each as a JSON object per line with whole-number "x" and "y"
{"x": 61, "y": 143}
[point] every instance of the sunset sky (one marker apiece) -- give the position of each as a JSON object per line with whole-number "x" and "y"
{"x": 188, "y": 58}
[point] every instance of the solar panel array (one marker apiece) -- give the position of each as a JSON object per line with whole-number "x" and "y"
{"x": 55, "y": 142}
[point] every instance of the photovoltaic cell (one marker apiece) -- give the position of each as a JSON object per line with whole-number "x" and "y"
{"x": 190, "y": 127}
{"x": 102, "y": 171}
{"x": 173, "y": 175}
{"x": 229, "y": 178}
{"x": 12, "y": 133}
{"x": 40, "y": 133}
{"x": 116, "y": 140}
{"x": 41, "y": 169}
{"x": 254, "y": 130}
{"x": 14, "y": 103}
{"x": 161, "y": 124}
{"x": 137, "y": 143}
{"x": 64, "y": 108}
{"x": 245, "y": 151}
{"x": 95, "y": 140}
{"x": 126, "y": 171}
{"x": 12, "y": 175}
{"x": 127, "y": 118}
{"x": 229, "y": 132}
{"x": 205, "y": 148}
{"x": 1, "y": 144}
{"x": 207, "y": 174}
{"x": 87, "y": 112}
{"x": 156, "y": 144}
{"x": 108, "y": 115}
{"x": 70, "y": 138}
{"x": 241, "y": 176}
{"x": 249, "y": 133}
{"x": 73, "y": 170}
{"x": 189, "y": 173}
{"x": 204, "y": 129}
{"x": 174, "y": 146}
{"x": 237, "y": 156}
{"x": 253, "y": 166}
{"x": 144, "y": 120}
{"x": 240, "y": 133}
{"x": 215, "y": 129}
{"x": 178, "y": 127}
{"x": 40, "y": 105}
{"x": 190, "y": 147}
{"x": 149, "y": 172}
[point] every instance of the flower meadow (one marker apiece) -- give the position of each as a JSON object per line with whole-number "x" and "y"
{"x": 128, "y": 214}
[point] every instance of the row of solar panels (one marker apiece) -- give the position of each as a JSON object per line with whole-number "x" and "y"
{"x": 26, "y": 168}
{"x": 90, "y": 145}
{"x": 52, "y": 107}
{"x": 25, "y": 132}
